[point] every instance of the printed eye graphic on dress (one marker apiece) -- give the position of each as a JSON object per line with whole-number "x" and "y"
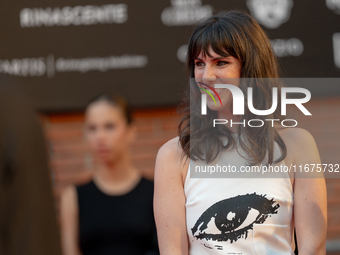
{"x": 232, "y": 218}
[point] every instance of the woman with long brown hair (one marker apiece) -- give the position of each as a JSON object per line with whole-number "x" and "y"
{"x": 239, "y": 213}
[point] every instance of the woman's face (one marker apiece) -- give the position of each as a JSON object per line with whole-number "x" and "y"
{"x": 217, "y": 70}
{"x": 107, "y": 131}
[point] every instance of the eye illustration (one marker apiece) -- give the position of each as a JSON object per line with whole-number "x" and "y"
{"x": 230, "y": 219}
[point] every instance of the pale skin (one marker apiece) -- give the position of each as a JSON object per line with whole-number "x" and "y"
{"x": 109, "y": 137}
{"x": 310, "y": 198}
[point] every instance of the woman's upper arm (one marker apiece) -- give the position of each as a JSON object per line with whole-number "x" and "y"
{"x": 169, "y": 200}
{"x": 69, "y": 221}
{"x": 310, "y": 196}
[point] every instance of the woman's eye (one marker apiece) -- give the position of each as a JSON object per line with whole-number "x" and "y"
{"x": 222, "y": 63}
{"x": 91, "y": 128}
{"x": 199, "y": 63}
{"x": 109, "y": 126}
{"x": 230, "y": 219}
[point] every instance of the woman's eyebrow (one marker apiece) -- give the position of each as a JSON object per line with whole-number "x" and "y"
{"x": 219, "y": 58}
{"x": 216, "y": 58}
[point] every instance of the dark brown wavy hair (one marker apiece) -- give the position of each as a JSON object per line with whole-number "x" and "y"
{"x": 238, "y": 34}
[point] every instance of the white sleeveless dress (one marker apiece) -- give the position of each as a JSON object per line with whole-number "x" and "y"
{"x": 244, "y": 216}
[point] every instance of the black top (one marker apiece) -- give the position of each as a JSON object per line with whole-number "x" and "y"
{"x": 117, "y": 224}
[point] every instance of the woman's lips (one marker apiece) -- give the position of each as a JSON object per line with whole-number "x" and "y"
{"x": 208, "y": 88}
{"x": 218, "y": 90}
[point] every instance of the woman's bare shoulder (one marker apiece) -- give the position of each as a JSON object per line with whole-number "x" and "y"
{"x": 171, "y": 155}
{"x": 295, "y": 136}
{"x": 299, "y": 142}
{"x": 68, "y": 198}
{"x": 171, "y": 148}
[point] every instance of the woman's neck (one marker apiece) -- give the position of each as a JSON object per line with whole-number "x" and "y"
{"x": 116, "y": 176}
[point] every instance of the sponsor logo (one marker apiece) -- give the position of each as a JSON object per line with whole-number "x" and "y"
{"x": 336, "y": 49}
{"x": 77, "y": 15}
{"x": 182, "y": 53}
{"x": 185, "y": 12}
{"x": 333, "y": 5}
{"x": 24, "y": 67}
{"x": 270, "y": 13}
{"x": 50, "y": 66}
{"x": 287, "y": 47}
{"x": 102, "y": 64}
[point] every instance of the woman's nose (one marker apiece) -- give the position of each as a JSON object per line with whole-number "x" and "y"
{"x": 209, "y": 74}
{"x": 100, "y": 135}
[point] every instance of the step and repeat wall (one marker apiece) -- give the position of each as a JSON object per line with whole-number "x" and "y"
{"x": 68, "y": 51}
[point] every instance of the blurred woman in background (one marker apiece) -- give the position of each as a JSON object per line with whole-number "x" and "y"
{"x": 111, "y": 214}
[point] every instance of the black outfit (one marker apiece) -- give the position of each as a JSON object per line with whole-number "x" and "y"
{"x": 28, "y": 216}
{"x": 117, "y": 224}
